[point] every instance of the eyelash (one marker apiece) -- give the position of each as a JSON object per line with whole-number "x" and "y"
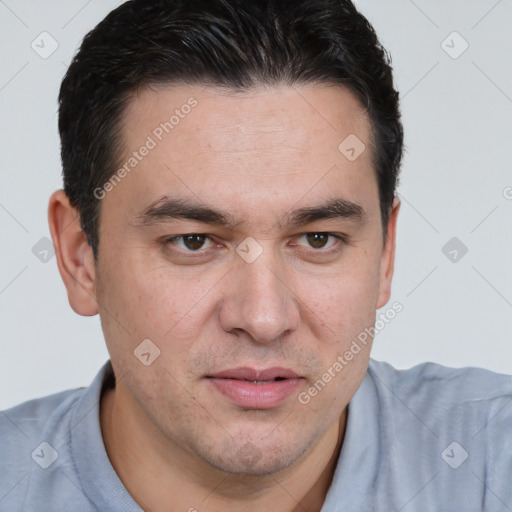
{"x": 344, "y": 239}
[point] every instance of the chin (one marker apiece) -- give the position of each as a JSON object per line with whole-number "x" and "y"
{"x": 254, "y": 459}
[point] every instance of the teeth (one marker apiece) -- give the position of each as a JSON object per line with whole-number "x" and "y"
{"x": 277, "y": 379}
{"x": 264, "y": 381}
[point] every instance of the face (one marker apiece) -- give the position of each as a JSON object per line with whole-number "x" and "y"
{"x": 246, "y": 247}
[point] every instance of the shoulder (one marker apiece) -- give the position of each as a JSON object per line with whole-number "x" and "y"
{"x": 458, "y": 397}
{"x": 32, "y": 415}
{"x": 26, "y": 425}
{"x": 428, "y": 381}
{"x": 48, "y": 414}
{"x": 34, "y": 436}
{"x": 458, "y": 422}
{"x": 41, "y": 440}
{"x": 472, "y": 406}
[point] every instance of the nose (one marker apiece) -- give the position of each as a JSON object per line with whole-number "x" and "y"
{"x": 259, "y": 301}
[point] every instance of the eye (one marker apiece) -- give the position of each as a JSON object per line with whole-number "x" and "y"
{"x": 199, "y": 242}
{"x": 190, "y": 242}
{"x": 321, "y": 240}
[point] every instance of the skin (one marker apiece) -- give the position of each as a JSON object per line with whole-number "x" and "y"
{"x": 175, "y": 441}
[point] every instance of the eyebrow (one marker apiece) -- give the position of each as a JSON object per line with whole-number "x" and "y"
{"x": 167, "y": 208}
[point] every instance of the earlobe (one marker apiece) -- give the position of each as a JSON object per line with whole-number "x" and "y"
{"x": 387, "y": 264}
{"x": 73, "y": 253}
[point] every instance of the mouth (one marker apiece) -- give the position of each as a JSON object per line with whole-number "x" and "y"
{"x": 248, "y": 388}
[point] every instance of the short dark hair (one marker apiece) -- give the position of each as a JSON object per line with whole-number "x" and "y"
{"x": 236, "y": 44}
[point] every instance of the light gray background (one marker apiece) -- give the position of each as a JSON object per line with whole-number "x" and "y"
{"x": 456, "y": 182}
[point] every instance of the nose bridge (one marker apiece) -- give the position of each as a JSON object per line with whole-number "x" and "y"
{"x": 259, "y": 301}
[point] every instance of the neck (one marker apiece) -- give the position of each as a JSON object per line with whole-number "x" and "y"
{"x": 157, "y": 471}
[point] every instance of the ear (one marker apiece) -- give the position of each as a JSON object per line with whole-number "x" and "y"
{"x": 74, "y": 255}
{"x": 387, "y": 263}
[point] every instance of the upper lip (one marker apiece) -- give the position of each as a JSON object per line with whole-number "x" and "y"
{"x": 252, "y": 374}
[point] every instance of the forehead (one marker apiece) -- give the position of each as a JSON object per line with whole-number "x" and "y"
{"x": 287, "y": 144}
{"x": 271, "y": 115}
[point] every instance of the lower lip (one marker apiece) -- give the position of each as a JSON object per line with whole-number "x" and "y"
{"x": 248, "y": 395}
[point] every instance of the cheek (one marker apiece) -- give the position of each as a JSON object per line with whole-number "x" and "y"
{"x": 155, "y": 301}
{"x": 344, "y": 299}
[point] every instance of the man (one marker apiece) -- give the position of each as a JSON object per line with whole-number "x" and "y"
{"x": 229, "y": 210}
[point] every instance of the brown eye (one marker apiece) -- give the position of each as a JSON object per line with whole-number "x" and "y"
{"x": 191, "y": 242}
{"x": 322, "y": 242}
{"x": 194, "y": 242}
{"x": 317, "y": 240}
